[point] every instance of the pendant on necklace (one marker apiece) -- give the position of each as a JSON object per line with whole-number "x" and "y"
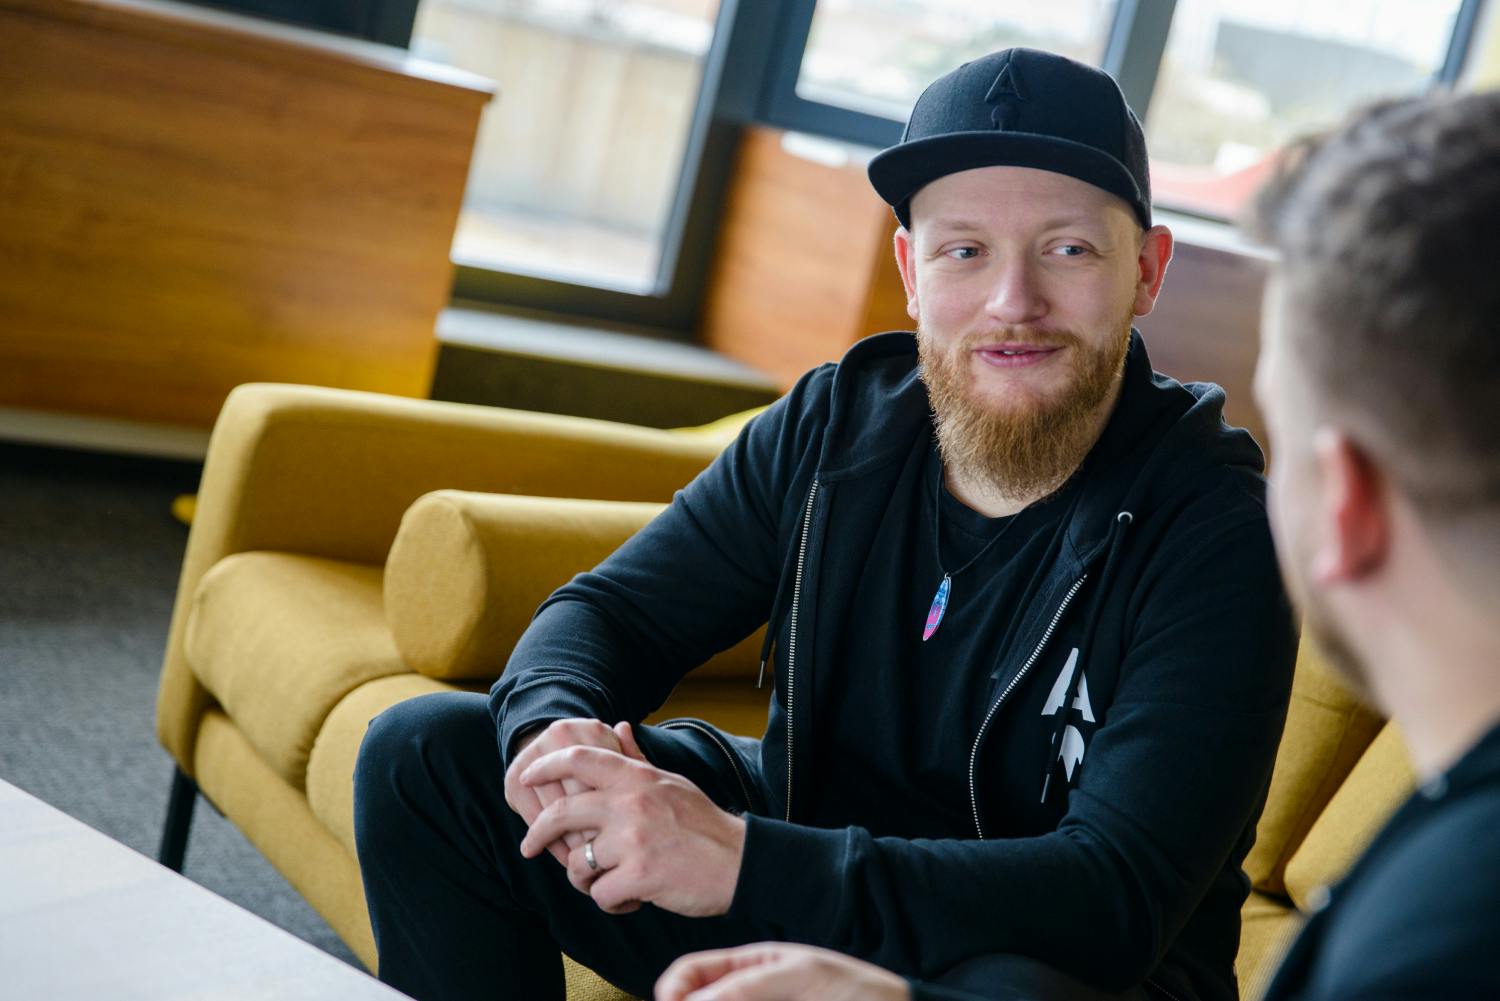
{"x": 939, "y": 606}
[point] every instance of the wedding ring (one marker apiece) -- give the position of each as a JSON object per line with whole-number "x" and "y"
{"x": 588, "y": 855}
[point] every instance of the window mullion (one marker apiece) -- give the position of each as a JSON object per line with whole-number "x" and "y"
{"x": 1137, "y": 42}
{"x": 1459, "y": 43}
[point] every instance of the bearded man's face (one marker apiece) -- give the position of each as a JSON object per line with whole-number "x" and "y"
{"x": 1025, "y": 442}
{"x": 1023, "y": 283}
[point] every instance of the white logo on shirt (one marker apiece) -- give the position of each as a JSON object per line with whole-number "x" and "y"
{"x": 1071, "y": 751}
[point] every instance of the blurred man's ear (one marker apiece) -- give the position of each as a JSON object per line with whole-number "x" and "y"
{"x": 906, "y": 256}
{"x": 1155, "y": 255}
{"x": 1353, "y": 508}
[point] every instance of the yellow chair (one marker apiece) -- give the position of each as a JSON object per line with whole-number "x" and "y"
{"x": 350, "y": 550}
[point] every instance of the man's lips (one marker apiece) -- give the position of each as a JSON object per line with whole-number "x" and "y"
{"x": 1016, "y": 355}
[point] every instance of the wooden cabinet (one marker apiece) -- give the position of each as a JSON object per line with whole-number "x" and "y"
{"x": 191, "y": 200}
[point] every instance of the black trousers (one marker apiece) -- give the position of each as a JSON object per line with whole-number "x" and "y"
{"x": 458, "y": 913}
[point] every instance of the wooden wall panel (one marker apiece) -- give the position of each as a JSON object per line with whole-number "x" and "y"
{"x": 804, "y": 248}
{"x": 885, "y": 296}
{"x": 189, "y": 201}
{"x": 1206, "y": 326}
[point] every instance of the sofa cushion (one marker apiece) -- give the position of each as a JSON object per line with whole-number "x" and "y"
{"x": 278, "y": 639}
{"x": 234, "y": 777}
{"x": 468, "y": 570}
{"x": 1379, "y": 783}
{"x": 330, "y": 770}
{"x": 584, "y": 984}
{"x": 1267, "y": 926}
{"x": 1326, "y": 731}
{"x": 725, "y": 429}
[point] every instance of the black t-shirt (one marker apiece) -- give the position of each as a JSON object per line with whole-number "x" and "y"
{"x": 939, "y": 690}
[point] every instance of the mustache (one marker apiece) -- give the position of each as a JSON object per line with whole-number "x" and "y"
{"x": 1028, "y": 337}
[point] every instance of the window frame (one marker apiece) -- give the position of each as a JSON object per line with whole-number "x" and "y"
{"x": 388, "y": 22}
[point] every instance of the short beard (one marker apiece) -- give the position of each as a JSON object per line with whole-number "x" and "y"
{"x": 1030, "y": 448}
{"x": 1338, "y": 653}
{"x": 1321, "y": 629}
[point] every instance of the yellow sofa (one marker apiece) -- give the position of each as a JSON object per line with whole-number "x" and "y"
{"x": 351, "y": 550}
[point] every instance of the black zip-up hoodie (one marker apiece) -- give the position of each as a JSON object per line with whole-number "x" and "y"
{"x": 1161, "y": 585}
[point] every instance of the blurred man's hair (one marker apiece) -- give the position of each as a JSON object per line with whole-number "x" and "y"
{"x": 1389, "y": 234}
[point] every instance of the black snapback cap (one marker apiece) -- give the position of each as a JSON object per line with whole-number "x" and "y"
{"x": 1019, "y": 108}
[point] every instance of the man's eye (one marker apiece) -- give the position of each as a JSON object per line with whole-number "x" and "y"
{"x": 964, "y": 253}
{"x": 1071, "y": 250}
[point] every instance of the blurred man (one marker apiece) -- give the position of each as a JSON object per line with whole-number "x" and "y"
{"x": 1031, "y": 663}
{"x": 1380, "y": 379}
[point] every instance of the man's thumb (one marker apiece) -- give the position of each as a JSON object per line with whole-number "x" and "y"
{"x": 626, "y": 734}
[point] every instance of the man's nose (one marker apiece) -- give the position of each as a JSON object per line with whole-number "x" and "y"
{"x": 1016, "y": 295}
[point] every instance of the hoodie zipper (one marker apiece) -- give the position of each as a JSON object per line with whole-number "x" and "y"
{"x": 791, "y": 646}
{"x": 1025, "y": 668}
{"x": 1168, "y": 994}
{"x": 708, "y": 731}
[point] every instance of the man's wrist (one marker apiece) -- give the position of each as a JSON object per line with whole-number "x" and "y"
{"x": 523, "y": 737}
{"x": 736, "y": 842}
{"x": 527, "y": 735}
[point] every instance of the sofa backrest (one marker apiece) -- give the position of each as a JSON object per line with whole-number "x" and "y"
{"x": 1381, "y": 780}
{"x": 1327, "y": 730}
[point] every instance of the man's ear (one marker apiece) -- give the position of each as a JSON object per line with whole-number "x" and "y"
{"x": 1353, "y": 510}
{"x": 906, "y": 262}
{"x": 1155, "y": 254}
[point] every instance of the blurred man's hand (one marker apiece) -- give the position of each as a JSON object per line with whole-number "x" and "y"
{"x": 775, "y": 971}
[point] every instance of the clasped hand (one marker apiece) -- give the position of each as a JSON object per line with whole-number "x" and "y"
{"x": 777, "y": 971}
{"x": 657, "y": 838}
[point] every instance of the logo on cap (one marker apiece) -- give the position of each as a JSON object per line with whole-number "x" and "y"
{"x": 1004, "y": 93}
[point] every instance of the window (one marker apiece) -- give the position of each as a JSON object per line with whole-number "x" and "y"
{"x": 1240, "y": 78}
{"x": 877, "y": 56}
{"x": 579, "y": 159}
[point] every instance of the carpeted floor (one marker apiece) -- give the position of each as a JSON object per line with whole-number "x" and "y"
{"x": 89, "y": 556}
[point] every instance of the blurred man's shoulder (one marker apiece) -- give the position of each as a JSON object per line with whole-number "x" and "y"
{"x": 1424, "y": 908}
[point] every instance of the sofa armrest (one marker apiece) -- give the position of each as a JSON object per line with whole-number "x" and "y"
{"x": 329, "y": 472}
{"x": 467, "y": 572}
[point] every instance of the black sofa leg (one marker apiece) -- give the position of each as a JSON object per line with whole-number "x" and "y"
{"x": 174, "y": 833}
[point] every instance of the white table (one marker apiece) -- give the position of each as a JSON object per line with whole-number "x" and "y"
{"x": 83, "y": 916}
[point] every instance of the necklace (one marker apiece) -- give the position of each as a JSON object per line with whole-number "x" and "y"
{"x": 945, "y": 588}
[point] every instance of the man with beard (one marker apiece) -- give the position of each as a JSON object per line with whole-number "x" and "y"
{"x": 1030, "y": 657}
{"x": 1379, "y": 376}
